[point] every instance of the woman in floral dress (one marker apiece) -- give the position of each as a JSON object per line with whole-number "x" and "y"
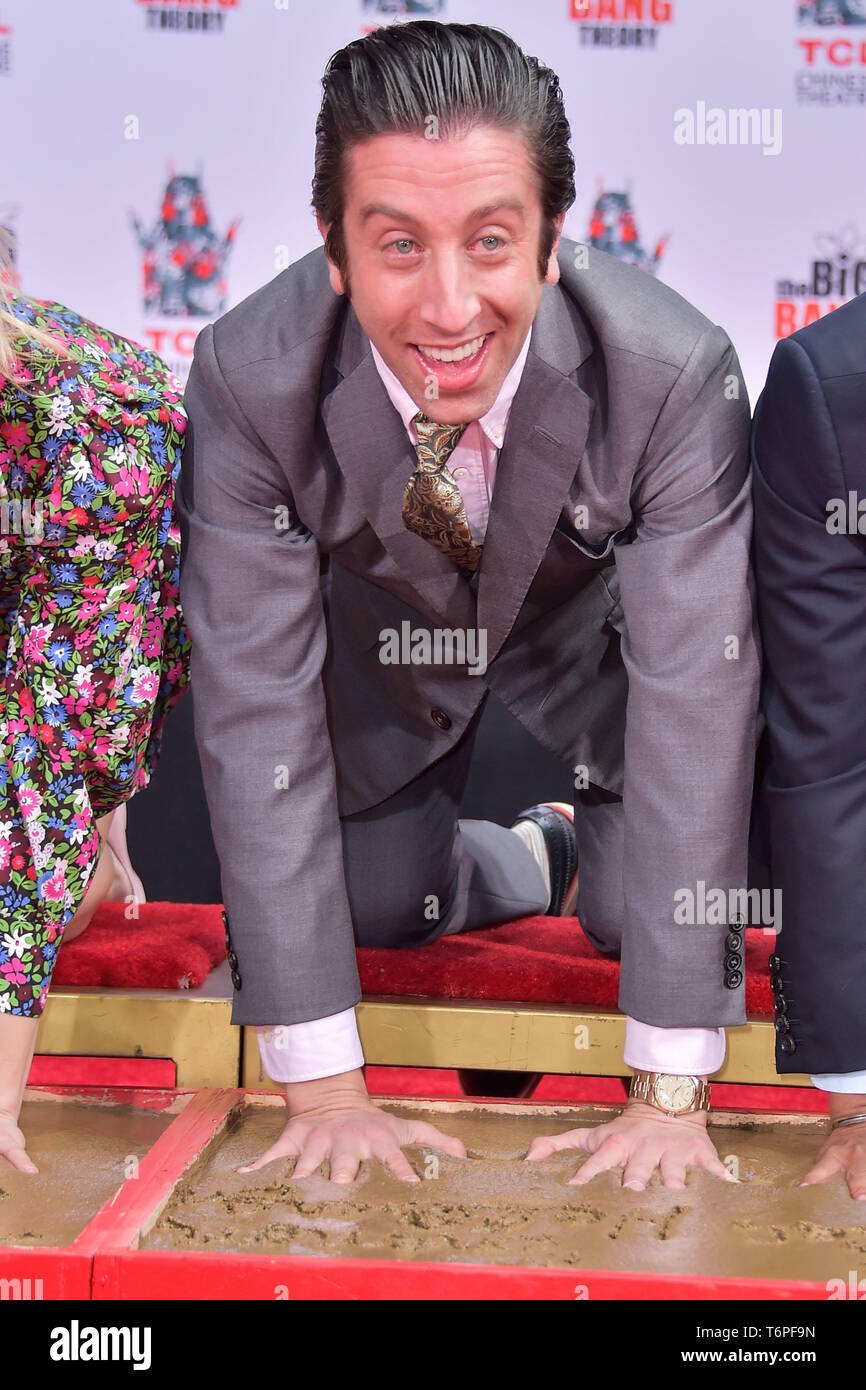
{"x": 93, "y": 651}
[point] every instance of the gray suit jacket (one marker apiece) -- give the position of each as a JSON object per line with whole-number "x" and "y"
{"x": 606, "y": 639}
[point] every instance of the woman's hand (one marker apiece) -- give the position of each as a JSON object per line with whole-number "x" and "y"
{"x": 12, "y": 1144}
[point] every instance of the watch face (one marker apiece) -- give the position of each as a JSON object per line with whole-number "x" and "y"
{"x": 675, "y": 1092}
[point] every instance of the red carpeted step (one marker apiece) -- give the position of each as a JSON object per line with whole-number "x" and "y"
{"x": 534, "y": 960}
{"x": 538, "y": 960}
{"x": 168, "y": 946}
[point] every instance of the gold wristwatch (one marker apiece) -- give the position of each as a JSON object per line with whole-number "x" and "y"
{"x": 675, "y": 1095}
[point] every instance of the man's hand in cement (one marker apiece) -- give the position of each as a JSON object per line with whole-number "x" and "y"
{"x": 641, "y": 1139}
{"x": 334, "y": 1120}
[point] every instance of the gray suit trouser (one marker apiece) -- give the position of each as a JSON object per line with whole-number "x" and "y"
{"x": 415, "y": 871}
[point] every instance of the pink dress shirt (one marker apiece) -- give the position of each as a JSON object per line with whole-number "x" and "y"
{"x": 329, "y": 1046}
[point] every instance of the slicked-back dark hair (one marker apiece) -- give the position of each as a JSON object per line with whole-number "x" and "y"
{"x": 394, "y": 79}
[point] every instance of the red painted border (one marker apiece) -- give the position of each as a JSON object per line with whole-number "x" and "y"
{"x": 147, "y": 1099}
{"x": 119, "y": 1221}
{"x": 64, "y": 1274}
{"x": 123, "y": 1273}
{"x": 103, "y": 1263}
{"x": 173, "y": 1274}
{"x": 66, "y": 1271}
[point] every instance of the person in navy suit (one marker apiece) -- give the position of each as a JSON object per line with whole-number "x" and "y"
{"x": 809, "y": 481}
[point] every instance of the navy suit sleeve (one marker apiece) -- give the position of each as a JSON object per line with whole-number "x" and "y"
{"x": 812, "y": 612}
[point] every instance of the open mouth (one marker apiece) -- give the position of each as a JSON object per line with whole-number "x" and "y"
{"x": 457, "y": 366}
{"x": 458, "y": 354}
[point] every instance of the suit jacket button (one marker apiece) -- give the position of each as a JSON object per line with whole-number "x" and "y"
{"x": 775, "y": 964}
{"x": 440, "y": 719}
{"x": 733, "y": 960}
{"x": 233, "y": 960}
{"x": 780, "y": 1004}
{"x": 236, "y": 979}
{"x": 733, "y": 979}
{"x": 787, "y": 1044}
{"x": 776, "y": 985}
{"x": 733, "y": 941}
{"x": 781, "y": 1023}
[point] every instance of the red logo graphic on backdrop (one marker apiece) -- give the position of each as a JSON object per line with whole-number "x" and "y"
{"x": 185, "y": 258}
{"x": 835, "y": 276}
{"x": 612, "y": 228}
{"x": 621, "y": 23}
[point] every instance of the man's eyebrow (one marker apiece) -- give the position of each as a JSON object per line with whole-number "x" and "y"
{"x": 477, "y": 215}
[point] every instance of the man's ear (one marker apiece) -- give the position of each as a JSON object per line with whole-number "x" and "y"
{"x": 335, "y": 277}
{"x": 552, "y": 275}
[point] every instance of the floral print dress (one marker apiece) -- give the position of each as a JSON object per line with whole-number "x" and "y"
{"x": 93, "y": 650}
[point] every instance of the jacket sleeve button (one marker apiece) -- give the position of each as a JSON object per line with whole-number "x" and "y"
{"x": 733, "y": 979}
{"x": 787, "y": 1044}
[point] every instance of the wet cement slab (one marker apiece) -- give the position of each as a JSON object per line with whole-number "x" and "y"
{"x": 83, "y": 1152}
{"x": 494, "y": 1208}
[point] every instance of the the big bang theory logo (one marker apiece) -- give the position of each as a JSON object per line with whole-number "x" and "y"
{"x": 187, "y": 16}
{"x": 833, "y": 56}
{"x": 621, "y": 23}
{"x": 837, "y": 274}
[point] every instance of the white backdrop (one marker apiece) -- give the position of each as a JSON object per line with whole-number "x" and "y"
{"x": 104, "y": 101}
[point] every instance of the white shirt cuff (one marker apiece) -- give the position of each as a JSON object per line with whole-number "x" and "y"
{"x": 679, "y": 1051}
{"x": 845, "y": 1083}
{"x": 309, "y": 1051}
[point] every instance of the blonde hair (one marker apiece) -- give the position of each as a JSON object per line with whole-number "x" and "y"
{"x": 20, "y": 342}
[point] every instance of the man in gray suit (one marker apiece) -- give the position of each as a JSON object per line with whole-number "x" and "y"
{"x": 450, "y": 421}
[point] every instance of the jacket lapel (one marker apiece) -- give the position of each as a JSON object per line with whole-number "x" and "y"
{"x": 544, "y": 441}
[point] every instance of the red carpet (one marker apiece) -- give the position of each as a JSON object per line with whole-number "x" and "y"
{"x": 171, "y": 946}
{"x": 534, "y": 960}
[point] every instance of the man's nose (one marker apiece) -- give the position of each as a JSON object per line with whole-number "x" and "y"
{"x": 450, "y": 300}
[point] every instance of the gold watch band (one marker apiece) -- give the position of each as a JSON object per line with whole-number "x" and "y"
{"x": 644, "y": 1086}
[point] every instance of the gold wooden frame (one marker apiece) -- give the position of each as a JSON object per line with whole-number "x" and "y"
{"x": 191, "y": 1027}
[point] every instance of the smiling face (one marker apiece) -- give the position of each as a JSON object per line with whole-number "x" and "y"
{"x": 442, "y": 240}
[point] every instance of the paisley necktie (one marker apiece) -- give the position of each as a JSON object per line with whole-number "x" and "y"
{"x": 432, "y": 505}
